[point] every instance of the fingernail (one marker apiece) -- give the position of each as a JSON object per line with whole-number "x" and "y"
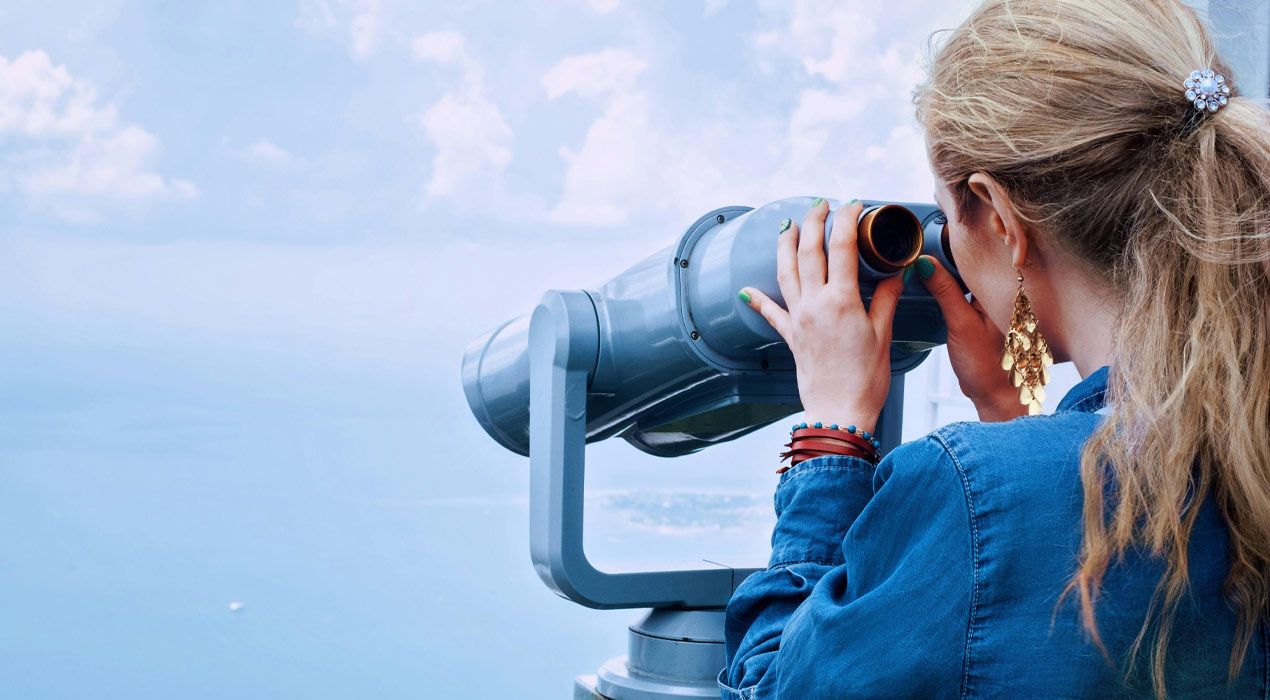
{"x": 854, "y": 201}
{"x": 785, "y": 224}
{"x": 908, "y": 273}
{"x": 817, "y": 202}
{"x": 925, "y": 267}
{"x": 745, "y": 296}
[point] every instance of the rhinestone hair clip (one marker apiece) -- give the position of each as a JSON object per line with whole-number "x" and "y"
{"x": 1206, "y": 90}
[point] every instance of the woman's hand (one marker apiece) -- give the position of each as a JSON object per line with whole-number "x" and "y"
{"x": 841, "y": 350}
{"x": 974, "y": 346}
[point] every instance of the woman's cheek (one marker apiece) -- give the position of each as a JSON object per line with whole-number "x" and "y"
{"x": 977, "y": 271}
{"x": 964, "y": 258}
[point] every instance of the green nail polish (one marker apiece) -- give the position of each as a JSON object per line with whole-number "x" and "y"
{"x": 745, "y": 296}
{"x": 817, "y": 202}
{"x": 785, "y": 224}
{"x": 854, "y": 201}
{"x": 908, "y": 273}
{"x": 925, "y": 267}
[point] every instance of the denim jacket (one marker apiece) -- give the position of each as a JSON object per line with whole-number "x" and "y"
{"x": 938, "y": 573}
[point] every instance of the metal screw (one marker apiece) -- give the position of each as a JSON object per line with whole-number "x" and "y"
{"x": 694, "y": 335}
{"x": 683, "y": 263}
{"x": 940, "y": 218}
{"x": 718, "y": 219}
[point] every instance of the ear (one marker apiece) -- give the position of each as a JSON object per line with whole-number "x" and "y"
{"x": 1001, "y": 218}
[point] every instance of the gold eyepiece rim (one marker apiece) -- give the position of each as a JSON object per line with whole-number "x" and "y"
{"x": 869, "y": 249}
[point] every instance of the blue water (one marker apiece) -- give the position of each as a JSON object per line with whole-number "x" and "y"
{"x": 187, "y": 519}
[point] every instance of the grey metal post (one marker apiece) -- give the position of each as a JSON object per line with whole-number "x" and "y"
{"x": 563, "y": 346}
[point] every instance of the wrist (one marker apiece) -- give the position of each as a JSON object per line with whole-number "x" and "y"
{"x": 842, "y": 416}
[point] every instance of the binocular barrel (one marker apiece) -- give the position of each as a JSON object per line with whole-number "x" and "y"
{"x": 682, "y": 362}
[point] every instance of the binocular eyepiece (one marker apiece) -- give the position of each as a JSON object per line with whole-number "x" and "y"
{"x": 889, "y": 238}
{"x": 680, "y": 361}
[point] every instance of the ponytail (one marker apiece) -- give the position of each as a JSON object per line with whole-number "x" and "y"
{"x": 1191, "y": 383}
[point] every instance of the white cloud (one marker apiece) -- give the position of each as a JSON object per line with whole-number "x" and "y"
{"x": 900, "y": 162}
{"x": 594, "y": 74}
{"x": 859, "y": 61}
{"x": 61, "y": 140}
{"x": 634, "y": 157}
{"x": 613, "y": 168}
{"x": 866, "y": 48}
{"x": 267, "y": 154}
{"x": 616, "y": 161}
{"x": 112, "y": 164}
{"x": 815, "y": 117}
{"x": 441, "y": 47}
{"x": 39, "y": 100}
{"x": 472, "y": 139}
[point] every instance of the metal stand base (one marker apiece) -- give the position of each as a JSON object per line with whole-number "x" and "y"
{"x": 672, "y": 655}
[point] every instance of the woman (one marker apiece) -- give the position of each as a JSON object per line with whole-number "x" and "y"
{"x": 1120, "y": 546}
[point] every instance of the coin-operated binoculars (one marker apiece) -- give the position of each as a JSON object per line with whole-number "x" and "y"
{"x": 667, "y": 357}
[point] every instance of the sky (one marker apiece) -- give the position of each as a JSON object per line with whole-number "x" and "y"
{"x": 243, "y": 247}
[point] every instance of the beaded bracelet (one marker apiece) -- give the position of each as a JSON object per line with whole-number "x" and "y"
{"x": 853, "y": 434}
{"x": 804, "y": 445}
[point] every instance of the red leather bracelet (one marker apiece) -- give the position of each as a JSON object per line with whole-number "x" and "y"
{"x": 806, "y": 443}
{"x": 802, "y": 455}
{"x": 856, "y": 439}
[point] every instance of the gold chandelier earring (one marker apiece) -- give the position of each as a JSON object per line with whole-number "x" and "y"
{"x": 1027, "y": 356}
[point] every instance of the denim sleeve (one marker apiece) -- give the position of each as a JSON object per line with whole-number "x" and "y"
{"x": 869, "y": 587}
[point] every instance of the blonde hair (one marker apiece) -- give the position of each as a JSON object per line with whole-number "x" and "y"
{"x": 1076, "y": 108}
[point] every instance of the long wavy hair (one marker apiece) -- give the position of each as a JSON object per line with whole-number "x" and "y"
{"x": 1076, "y": 107}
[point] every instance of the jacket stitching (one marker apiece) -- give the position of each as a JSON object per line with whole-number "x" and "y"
{"x": 1081, "y": 405}
{"x": 967, "y": 659}
{"x": 742, "y": 693}
{"x": 785, "y": 564}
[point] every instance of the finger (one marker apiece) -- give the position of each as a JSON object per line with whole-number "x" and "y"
{"x": 843, "y": 248}
{"x": 958, "y": 312}
{"x": 769, "y": 310}
{"x": 787, "y": 265}
{"x": 811, "y": 249}
{"x": 886, "y": 297}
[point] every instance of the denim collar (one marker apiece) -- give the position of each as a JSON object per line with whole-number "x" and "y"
{"x": 1088, "y": 395}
